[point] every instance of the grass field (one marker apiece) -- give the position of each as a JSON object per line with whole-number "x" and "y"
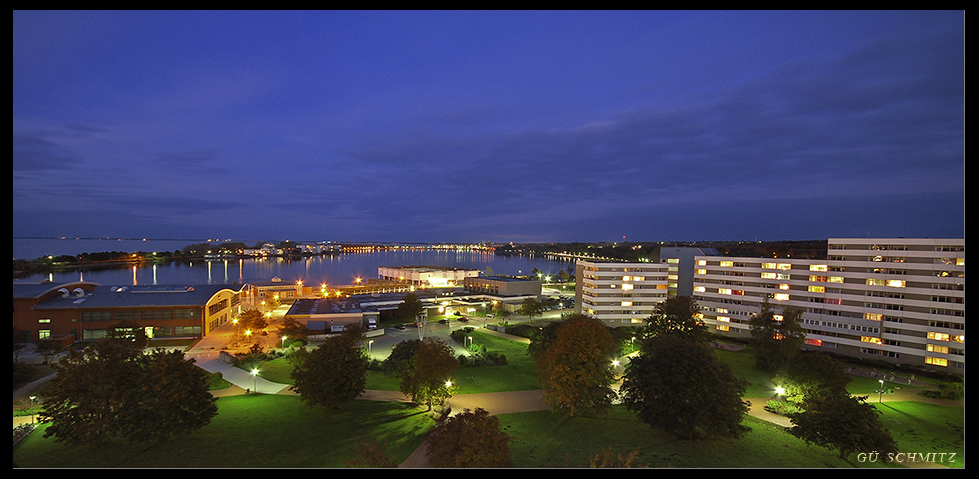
{"x": 281, "y": 431}
{"x": 252, "y": 431}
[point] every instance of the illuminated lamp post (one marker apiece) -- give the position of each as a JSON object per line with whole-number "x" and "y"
{"x": 880, "y": 392}
{"x": 255, "y": 380}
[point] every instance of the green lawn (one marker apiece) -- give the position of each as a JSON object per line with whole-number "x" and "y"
{"x": 252, "y": 431}
{"x": 281, "y": 431}
{"x": 543, "y": 439}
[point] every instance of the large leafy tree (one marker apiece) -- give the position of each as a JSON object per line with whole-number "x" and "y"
{"x": 678, "y": 316}
{"x": 428, "y": 378}
{"x": 776, "y": 338}
{"x": 469, "y": 439}
{"x": 681, "y": 387}
{"x": 531, "y": 308}
{"x": 542, "y": 338}
{"x": 810, "y": 374}
{"x": 112, "y": 389}
{"x": 842, "y": 422}
{"x": 334, "y": 373}
{"x": 575, "y": 371}
{"x": 173, "y": 399}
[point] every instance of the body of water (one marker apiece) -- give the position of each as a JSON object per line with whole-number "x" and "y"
{"x": 333, "y": 270}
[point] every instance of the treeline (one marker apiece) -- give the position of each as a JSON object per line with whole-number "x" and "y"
{"x": 650, "y": 251}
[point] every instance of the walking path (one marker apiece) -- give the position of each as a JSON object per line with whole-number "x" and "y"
{"x": 206, "y": 354}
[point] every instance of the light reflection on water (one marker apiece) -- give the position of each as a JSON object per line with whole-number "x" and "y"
{"x": 334, "y": 270}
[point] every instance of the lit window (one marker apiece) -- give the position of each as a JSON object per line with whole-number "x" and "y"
{"x": 873, "y": 316}
{"x": 835, "y": 279}
{"x": 768, "y": 265}
{"x": 896, "y": 283}
{"x": 939, "y": 336}
{"x": 724, "y": 290}
{"x": 724, "y": 319}
{"x": 933, "y": 348}
{"x": 701, "y": 262}
{"x": 870, "y": 339}
{"x": 783, "y": 287}
{"x": 723, "y": 327}
{"x": 936, "y": 361}
{"x": 818, "y": 267}
{"x": 727, "y": 264}
{"x": 781, "y": 297}
{"x": 627, "y": 286}
{"x": 699, "y": 289}
{"x": 768, "y": 276}
{"x": 701, "y": 271}
{"x": 627, "y": 303}
{"x": 814, "y": 342}
{"x": 817, "y": 289}
{"x": 784, "y": 266}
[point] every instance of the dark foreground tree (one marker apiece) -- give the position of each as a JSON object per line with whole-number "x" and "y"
{"x": 173, "y": 399}
{"x": 469, "y": 439}
{"x": 678, "y": 316}
{"x": 575, "y": 371}
{"x": 681, "y": 387}
{"x": 371, "y": 453}
{"x": 427, "y": 380}
{"x": 543, "y": 338}
{"x": 334, "y": 373}
{"x": 112, "y": 389}
{"x": 776, "y": 338}
{"x": 843, "y": 422}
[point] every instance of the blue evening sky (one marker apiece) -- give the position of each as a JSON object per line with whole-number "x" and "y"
{"x": 489, "y": 125}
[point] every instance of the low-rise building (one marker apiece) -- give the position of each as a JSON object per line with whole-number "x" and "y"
{"x": 86, "y": 311}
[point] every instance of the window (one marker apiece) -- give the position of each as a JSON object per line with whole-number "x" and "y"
{"x": 870, "y": 339}
{"x": 43, "y": 333}
{"x": 727, "y": 264}
{"x": 817, "y": 289}
{"x": 781, "y": 297}
{"x": 818, "y": 267}
{"x": 936, "y": 361}
{"x": 933, "y": 348}
{"x": 873, "y": 316}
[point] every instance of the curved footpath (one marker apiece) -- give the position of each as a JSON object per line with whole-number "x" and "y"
{"x": 207, "y": 355}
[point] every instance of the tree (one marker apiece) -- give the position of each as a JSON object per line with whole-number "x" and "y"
{"x": 776, "y": 338}
{"x": 678, "y": 316}
{"x": 410, "y": 308}
{"x": 113, "y": 389}
{"x": 531, "y": 308}
{"x": 174, "y": 399}
{"x": 843, "y": 422}
{"x": 575, "y": 371}
{"x": 293, "y": 331}
{"x": 681, "y": 387}
{"x": 334, "y": 373}
{"x": 428, "y": 379}
{"x": 469, "y": 439}
{"x": 809, "y": 374}
{"x": 252, "y": 320}
{"x": 370, "y": 453}
{"x": 543, "y": 338}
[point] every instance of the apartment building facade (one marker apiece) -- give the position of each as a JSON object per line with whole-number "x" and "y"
{"x": 619, "y": 293}
{"x": 899, "y": 300}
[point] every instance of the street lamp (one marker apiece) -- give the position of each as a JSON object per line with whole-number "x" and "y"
{"x": 369, "y": 344}
{"x": 284, "y": 341}
{"x": 255, "y": 380}
{"x": 32, "y": 408}
{"x": 880, "y": 392}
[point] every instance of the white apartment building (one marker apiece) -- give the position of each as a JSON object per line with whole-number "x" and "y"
{"x": 896, "y": 299}
{"x": 619, "y": 293}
